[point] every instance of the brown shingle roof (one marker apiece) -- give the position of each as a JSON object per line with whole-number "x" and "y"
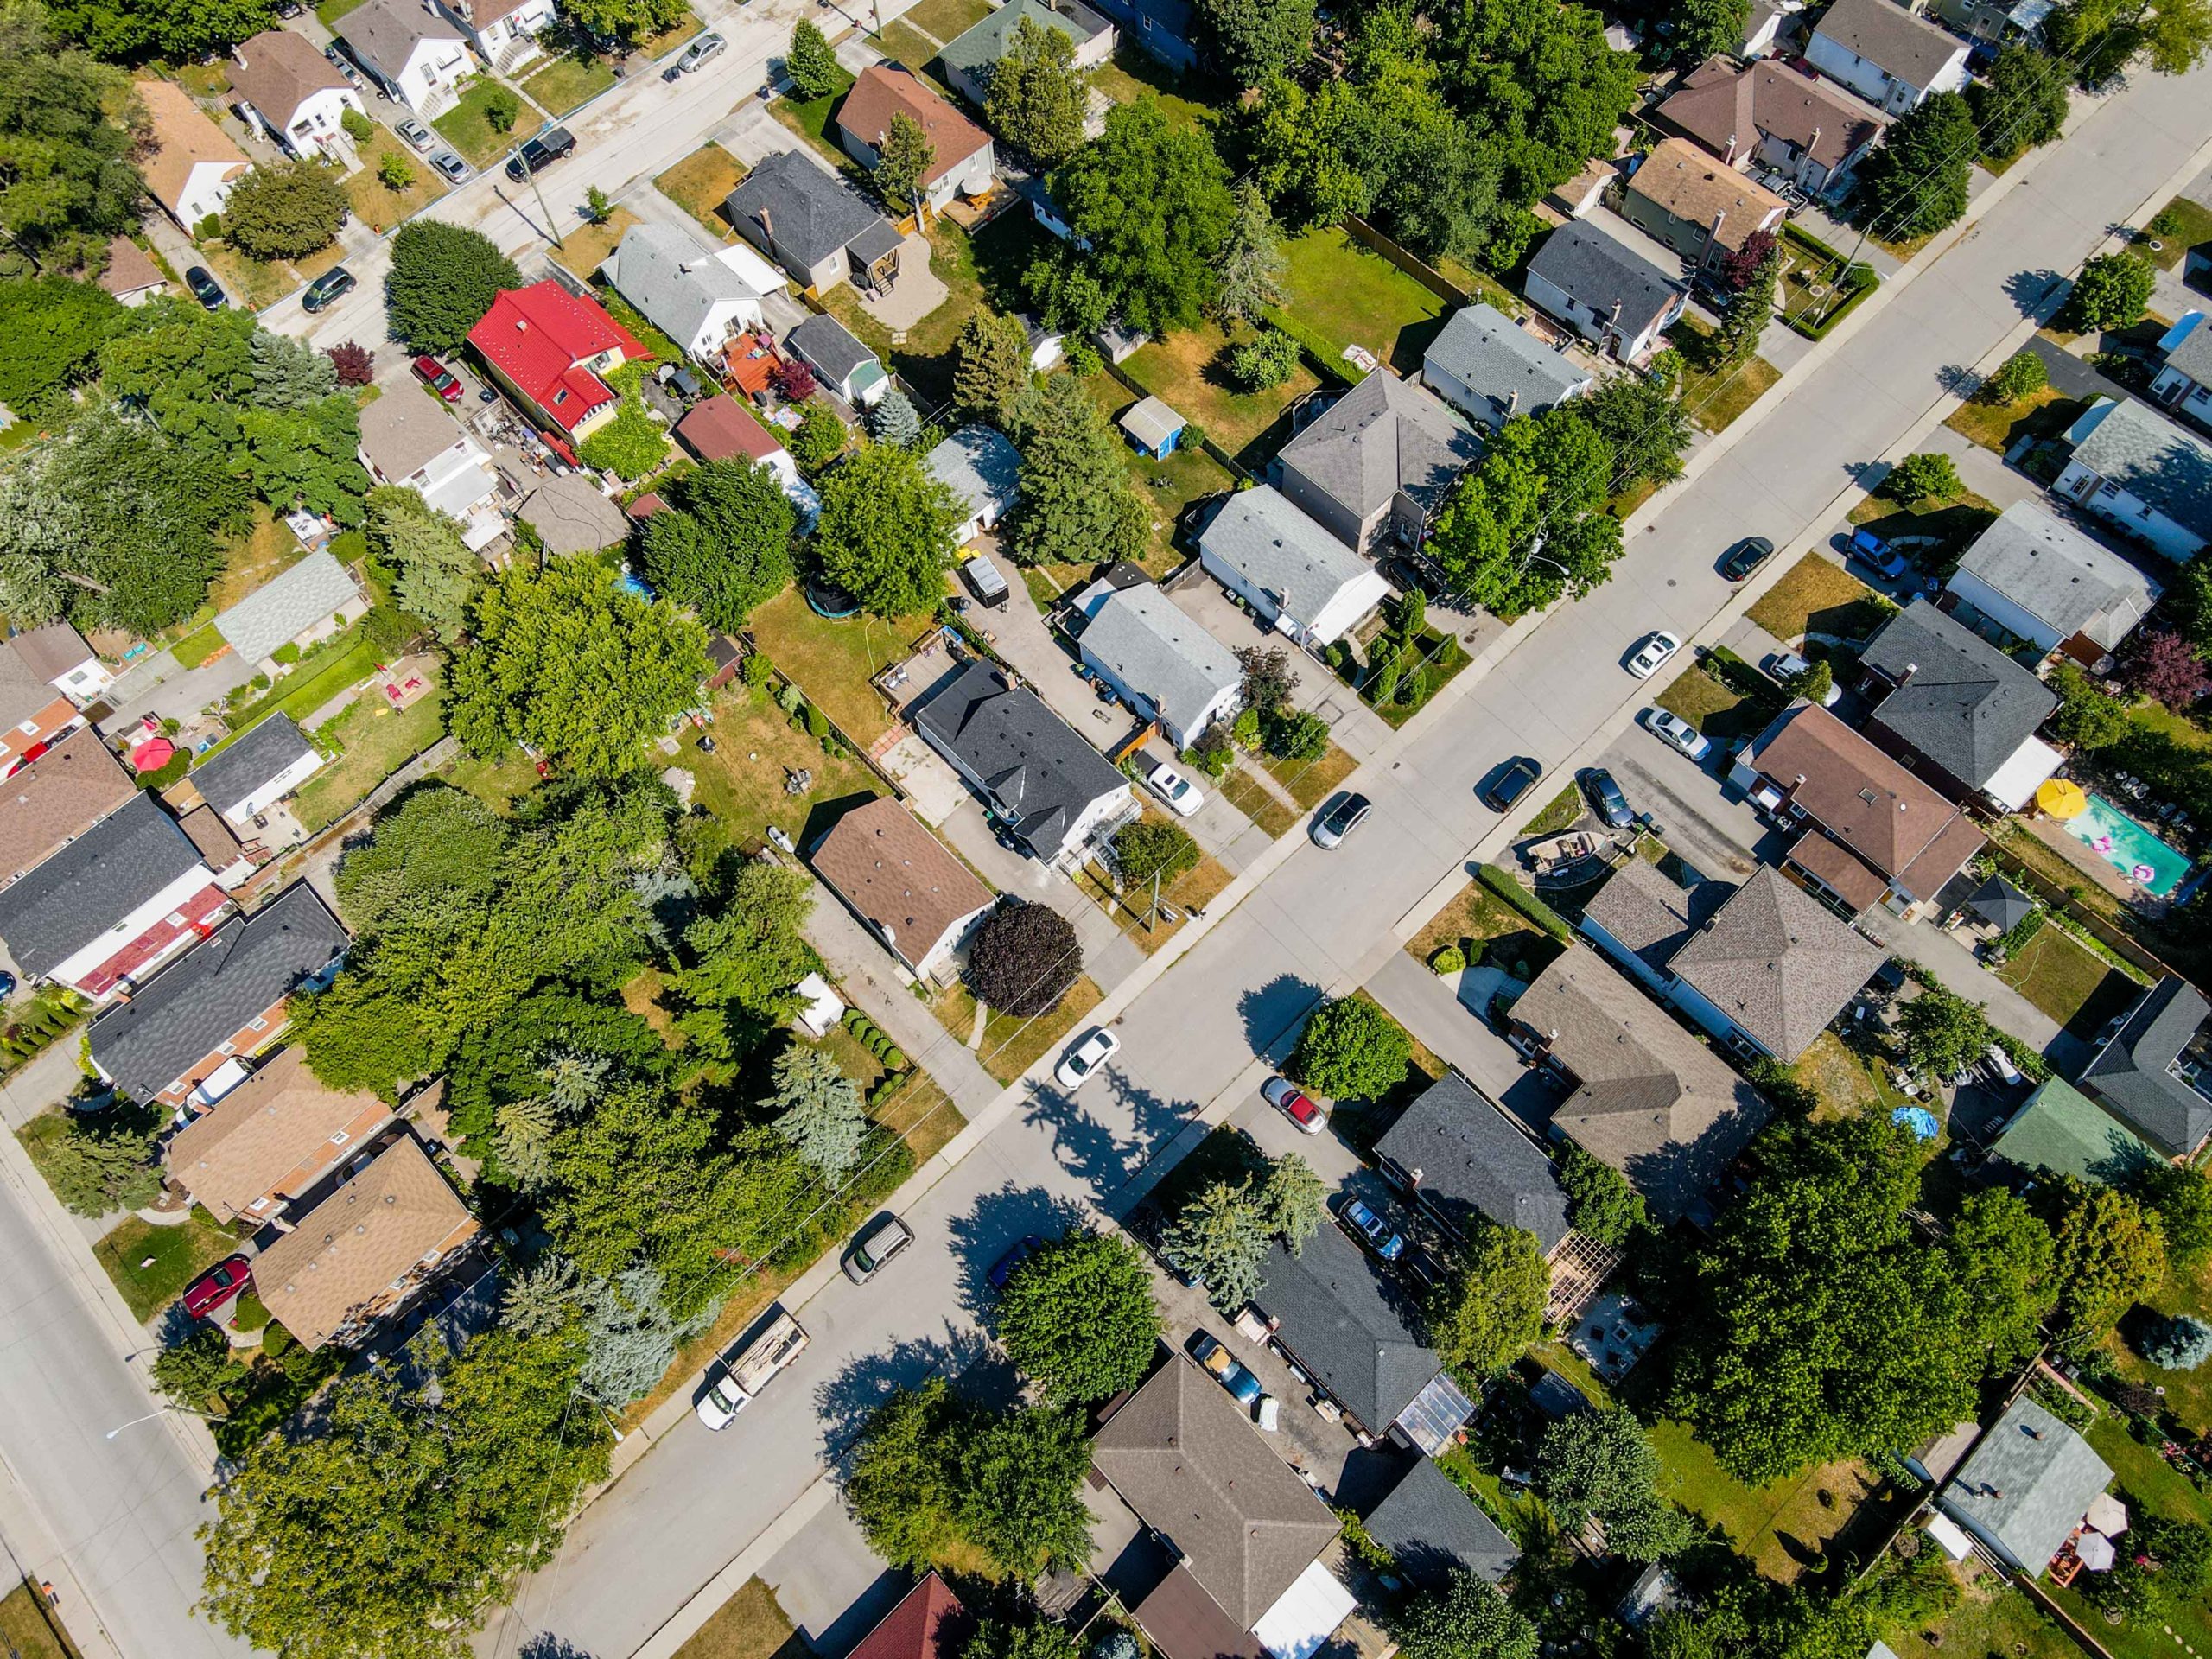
{"x": 1682, "y": 179}
{"x": 53, "y": 650}
{"x": 1777, "y": 961}
{"x": 898, "y": 876}
{"x": 884, "y": 91}
{"x": 1721, "y": 102}
{"x": 278, "y": 1120}
{"x": 57, "y": 797}
{"x": 130, "y": 268}
{"x": 1900, "y": 42}
{"x": 1838, "y": 868}
{"x": 278, "y": 70}
{"x": 180, "y": 135}
{"x": 204, "y": 827}
{"x": 722, "y": 429}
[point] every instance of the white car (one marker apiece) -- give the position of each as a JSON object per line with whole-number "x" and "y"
{"x": 1651, "y": 656}
{"x": 1080, "y": 1062}
{"x": 1786, "y": 666}
{"x": 1677, "y": 734}
{"x": 1183, "y": 796}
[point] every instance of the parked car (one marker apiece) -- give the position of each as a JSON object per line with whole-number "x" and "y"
{"x": 1373, "y": 1231}
{"x": 418, "y": 135}
{"x": 1877, "y": 554}
{"x": 1746, "y": 556}
{"x": 1214, "y": 1357}
{"x": 217, "y": 1286}
{"x": 438, "y": 379}
{"x": 1786, "y": 666}
{"x": 1677, "y": 734}
{"x": 1283, "y": 1095}
{"x": 878, "y": 1246}
{"x": 331, "y": 285}
{"x": 1606, "y": 798}
{"x": 1340, "y": 820}
{"x": 7, "y": 984}
{"x": 1651, "y": 656}
{"x": 205, "y": 289}
{"x": 1183, "y": 796}
{"x": 1512, "y": 782}
{"x": 450, "y": 164}
{"x": 540, "y": 152}
{"x": 699, "y": 52}
{"x": 1077, "y": 1064}
{"x": 735, "y": 1380}
{"x": 344, "y": 66}
{"x": 1002, "y": 1269}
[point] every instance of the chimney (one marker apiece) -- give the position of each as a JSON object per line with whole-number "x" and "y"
{"x": 768, "y": 228}
{"x": 1906, "y": 679}
{"x": 1614, "y": 322}
{"x": 1813, "y": 142}
{"x": 1712, "y": 236}
{"x": 1512, "y": 403}
{"x": 1729, "y": 155}
{"x": 1413, "y": 1178}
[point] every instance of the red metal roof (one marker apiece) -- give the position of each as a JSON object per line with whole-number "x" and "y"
{"x": 925, "y": 1625}
{"x": 538, "y": 336}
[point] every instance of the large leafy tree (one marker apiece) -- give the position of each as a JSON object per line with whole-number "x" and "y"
{"x": 1078, "y": 1316}
{"x": 69, "y": 131}
{"x": 1600, "y": 1204}
{"x": 1642, "y": 416}
{"x": 434, "y": 570}
{"x": 1488, "y": 1306}
{"x": 1705, "y": 29}
{"x": 1152, "y": 198}
{"x": 1597, "y": 1463}
{"x": 2110, "y": 1254}
{"x": 2180, "y": 1195}
{"x": 1542, "y": 78}
{"x": 724, "y": 545}
{"x": 742, "y": 960}
{"x": 284, "y": 211}
{"x": 1916, "y": 183}
{"x": 2112, "y": 292}
{"x": 884, "y": 535}
{"x": 1077, "y": 505}
{"x": 1943, "y": 1033}
{"x": 1527, "y": 525}
{"x": 2020, "y": 101}
{"x": 1351, "y": 1050}
{"x": 1468, "y": 1618}
{"x": 1036, "y": 98}
{"x": 54, "y": 327}
{"x": 1258, "y": 38}
{"x": 444, "y": 279}
{"x": 2007, "y": 1266}
{"x": 819, "y": 1110}
{"x": 1023, "y": 959}
{"x": 2101, "y": 38}
{"x": 128, "y": 30}
{"x": 627, "y": 21}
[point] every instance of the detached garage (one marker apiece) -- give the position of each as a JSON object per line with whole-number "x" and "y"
{"x": 1301, "y": 581}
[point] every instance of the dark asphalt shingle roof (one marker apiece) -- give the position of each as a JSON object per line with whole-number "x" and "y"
{"x": 1648, "y": 914}
{"x": 1591, "y": 269}
{"x": 813, "y": 212}
{"x": 1966, "y": 705}
{"x": 2133, "y": 1074}
{"x": 232, "y": 775}
{"x": 2027, "y": 1483}
{"x": 830, "y": 347}
{"x": 1031, "y": 760}
{"x": 1474, "y": 1160}
{"x": 1349, "y": 1324}
{"x": 1497, "y": 358}
{"x": 91, "y": 884}
{"x": 1384, "y": 438}
{"x": 1435, "y": 1529}
{"x": 2132, "y": 446}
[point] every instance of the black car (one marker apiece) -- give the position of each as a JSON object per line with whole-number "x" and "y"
{"x": 554, "y": 144}
{"x": 1509, "y": 784}
{"x": 1606, "y": 798}
{"x": 1746, "y": 556}
{"x": 205, "y": 289}
{"x": 328, "y": 287}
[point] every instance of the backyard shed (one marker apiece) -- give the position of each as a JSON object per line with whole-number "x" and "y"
{"x": 1153, "y": 426}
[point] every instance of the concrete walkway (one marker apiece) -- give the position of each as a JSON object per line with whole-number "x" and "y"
{"x": 1959, "y": 969}
{"x": 1431, "y": 1008}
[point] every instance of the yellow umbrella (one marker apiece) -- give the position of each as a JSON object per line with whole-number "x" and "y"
{"x": 2062, "y": 798}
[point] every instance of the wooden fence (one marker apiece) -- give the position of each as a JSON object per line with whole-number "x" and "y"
{"x": 1422, "y": 272}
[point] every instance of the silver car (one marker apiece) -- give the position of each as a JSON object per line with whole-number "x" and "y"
{"x": 881, "y": 1243}
{"x": 706, "y": 46}
{"x": 418, "y": 135}
{"x": 451, "y": 165}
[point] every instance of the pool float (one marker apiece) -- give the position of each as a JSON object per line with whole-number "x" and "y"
{"x": 2144, "y": 873}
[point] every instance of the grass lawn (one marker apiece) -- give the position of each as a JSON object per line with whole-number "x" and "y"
{"x": 1820, "y": 596}
{"x": 197, "y": 646}
{"x": 1011, "y": 1046}
{"x": 2188, "y": 1394}
{"x": 811, "y": 119}
{"x": 1351, "y": 296}
{"x": 1710, "y": 706}
{"x": 1716, "y": 393}
{"x": 756, "y": 747}
{"x": 1200, "y": 884}
{"x": 567, "y": 81}
{"x": 1486, "y": 928}
{"x": 266, "y": 549}
{"x": 1998, "y": 427}
{"x": 923, "y": 1113}
{"x": 152, "y": 1265}
{"x": 466, "y": 128}
{"x": 833, "y": 662}
{"x": 299, "y": 693}
{"x": 1842, "y": 1079}
{"x": 2179, "y": 226}
{"x": 1167, "y": 486}
{"x": 749, "y": 1625}
{"x": 669, "y": 39}
{"x": 1185, "y": 369}
{"x": 584, "y": 250}
{"x": 701, "y": 182}
{"x": 1310, "y": 782}
{"x": 377, "y": 207}
{"x": 1562, "y": 810}
{"x": 1780, "y": 1527}
{"x": 375, "y": 743}
{"x": 1482, "y": 286}
{"x": 1256, "y": 801}
{"x": 251, "y": 284}
{"x": 495, "y": 783}
{"x": 947, "y": 19}
{"x": 1130, "y": 73}
{"x": 330, "y": 11}
{"x": 2069, "y": 981}
{"x": 204, "y": 80}
{"x": 903, "y": 43}
{"x": 1991, "y": 1618}
{"x": 924, "y": 356}
{"x": 24, "y": 1630}
{"x": 2146, "y": 1483}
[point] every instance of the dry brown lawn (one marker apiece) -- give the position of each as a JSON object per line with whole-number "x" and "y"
{"x": 701, "y": 182}
{"x": 584, "y": 250}
{"x": 750, "y": 1624}
{"x": 379, "y": 208}
{"x": 1817, "y": 595}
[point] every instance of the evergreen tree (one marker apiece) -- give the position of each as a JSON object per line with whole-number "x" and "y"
{"x": 1292, "y": 1201}
{"x": 1036, "y": 99}
{"x": 819, "y": 1110}
{"x": 813, "y": 68}
{"x": 990, "y": 366}
{"x": 1251, "y": 260}
{"x": 630, "y": 1338}
{"x": 894, "y": 421}
{"x": 904, "y": 156}
{"x": 1077, "y": 505}
{"x": 1745, "y": 320}
{"x": 1219, "y": 1239}
{"x": 434, "y": 569}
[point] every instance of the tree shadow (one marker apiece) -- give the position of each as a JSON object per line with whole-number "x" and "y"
{"x": 546, "y": 1645}
{"x": 1958, "y": 379}
{"x": 1101, "y": 1157}
{"x": 1271, "y": 1011}
{"x": 998, "y": 1220}
{"x": 844, "y": 1401}
{"x": 2030, "y": 289}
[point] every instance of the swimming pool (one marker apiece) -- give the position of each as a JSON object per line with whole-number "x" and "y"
{"x": 2128, "y": 847}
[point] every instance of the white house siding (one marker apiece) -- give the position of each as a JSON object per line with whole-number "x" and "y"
{"x": 207, "y": 188}
{"x": 2109, "y": 501}
{"x": 2002, "y": 611}
{"x": 1875, "y": 84}
{"x": 427, "y": 83}
{"x": 1593, "y": 325}
{"x": 2184, "y": 396}
{"x": 266, "y": 795}
{"x": 1352, "y": 601}
{"x": 318, "y": 121}
{"x": 940, "y": 954}
{"x": 86, "y": 683}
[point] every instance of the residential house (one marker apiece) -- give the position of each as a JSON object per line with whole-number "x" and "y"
{"x": 413, "y": 443}
{"x": 1873, "y": 834}
{"x": 1299, "y": 580}
{"x": 1463, "y": 1159}
{"x": 310, "y": 601}
{"x": 34, "y": 715}
{"x": 1762, "y": 28}
{"x": 1643, "y": 1094}
{"x": 723, "y": 429}
{"x": 701, "y": 298}
{"x": 1158, "y": 661}
{"x": 1997, "y": 21}
{"x": 269, "y": 1139}
{"x": 1245, "y": 1533}
{"x": 2025, "y": 1488}
{"x": 220, "y": 850}
{"x": 552, "y": 350}
{"x": 2142, "y": 474}
{"x": 1165, "y": 29}
{"x": 49, "y": 802}
{"x": 1702, "y": 208}
{"x": 1043, "y": 782}
{"x": 223, "y": 1000}
{"x": 1958, "y": 713}
{"x": 902, "y": 882}
{"x": 361, "y": 1253}
{"x": 415, "y": 53}
{"x": 983, "y": 472}
{"x": 968, "y": 59}
{"x": 1153, "y": 426}
{"x": 1379, "y": 457}
{"x": 294, "y": 93}
{"x": 571, "y": 514}
{"x": 1771, "y": 970}
{"x": 256, "y": 769}
{"x": 2061, "y": 1132}
{"x": 1640, "y": 917}
{"x": 57, "y": 653}
{"x": 1613, "y": 297}
{"x": 961, "y": 161}
{"x": 2041, "y": 580}
{"x": 2154, "y": 1073}
{"x": 2184, "y": 383}
{"x": 1888, "y": 55}
{"x": 845, "y": 367}
{"x": 189, "y": 163}
{"x": 928, "y": 1623}
{"x": 504, "y": 32}
{"x": 1490, "y": 368}
{"x": 131, "y": 274}
{"x": 1434, "y": 1529}
{"x": 1769, "y": 116}
{"x": 813, "y": 224}
{"x": 116, "y": 903}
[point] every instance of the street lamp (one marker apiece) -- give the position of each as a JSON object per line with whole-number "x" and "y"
{"x": 150, "y": 1415}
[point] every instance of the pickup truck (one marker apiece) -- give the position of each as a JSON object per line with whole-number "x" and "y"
{"x": 738, "y": 1376}
{"x": 538, "y": 154}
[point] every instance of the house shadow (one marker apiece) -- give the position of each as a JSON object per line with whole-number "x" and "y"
{"x": 998, "y": 1220}
{"x": 822, "y": 818}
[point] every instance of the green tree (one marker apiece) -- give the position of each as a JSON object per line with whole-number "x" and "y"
{"x": 2112, "y": 292}
{"x": 1035, "y": 100}
{"x": 726, "y": 546}
{"x": 69, "y": 133}
{"x": 1035, "y": 1639}
{"x": 744, "y": 959}
{"x": 1813, "y": 683}
{"x": 2086, "y": 717}
{"x": 599, "y": 206}
{"x": 56, "y": 327}
{"x": 1600, "y": 1204}
{"x": 1251, "y": 262}
{"x": 631, "y": 1336}
{"x": 813, "y": 68}
{"x": 2101, "y": 38}
{"x": 1258, "y": 38}
{"x": 1077, "y": 505}
{"x": 1551, "y": 89}
{"x": 1642, "y": 418}
{"x": 1292, "y": 1202}
{"x": 1153, "y": 200}
{"x": 820, "y": 439}
{"x": 1263, "y": 362}
{"x": 628, "y": 21}
{"x": 1466, "y": 1619}
{"x": 1488, "y": 1306}
{"x": 1943, "y": 1033}
{"x": 1021, "y": 1501}
{"x": 1597, "y": 1463}
{"x": 1525, "y": 525}
{"x": 126, "y": 30}
{"x": 1928, "y": 475}
{"x": 444, "y": 279}
{"x": 1705, "y": 29}
{"x": 1743, "y": 321}
{"x": 899, "y": 1485}
{"x": 435, "y": 844}
{"x": 1153, "y": 847}
{"x": 285, "y": 210}
{"x": 645, "y": 1177}
{"x": 104, "y": 1161}
{"x": 2019, "y": 102}
{"x": 895, "y": 421}
{"x": 573, "y": 666}
{"x": 1916, "y": 183}
{"x": 192, "y": 1370}
{"x": 2110, "y": 1256}
{"x": 1078, "y": 1316}
{"x": 2004, "y": 1262}
{"x": 885, "y": 534}
{"x": 394, "y": 172}
{"x": 819, "y": 1110}
{"x": 1023, "y": 958}
{"x": 2021, "y": 375}
{"x": 629, "y": 446}
{"x": 904, "y": 156}
{"x": 2180, "y": 1195}
{"x": 435, "y": 569}
{"x": 1219, "y": 1239}
{"x": 1351, "y": 1050}
{"x": 990, "y": 368}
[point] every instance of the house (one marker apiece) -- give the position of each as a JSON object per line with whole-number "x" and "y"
{"x": 1153, "y": 426}
{"x": 221, "y": 849}
{"x": 1655, "y": 1591}
{"x": 57, "y": 653}
{"x": 1048, "y": 787}
{"x": 413, "y": 443}
{"x": 131, "y": 274}
{"x": 1873, "y": 833}
{"x": 1435, "y": 1530}
{"x": 983, "y": 472}
{"x": 961, "y": 161}
{"x": 256, "y": 769}
{"x": 1301, "y": 581}
{"x": 1888, "y": 55}
{"x": 416, "y": 54}
{"x": 1158, "y": 661}
{"x": 310, "y": 601}
{"x": 1490, "y": 369}
{"x": 1244, "y": 1531}
{"x": 1762, "y": 27}
{"x": 1383, "y": 455}
{"x": 813, "y": 224}
{"x": 2143, "y": 475}
{"x": 50, "y": 801}
{"x": 34, "y": 715}
{"x": 1165, "y": 29}
{"x": 551, "y": 350}
{"x": 723, "y": 429}
{"x": 1768, "y": 116}
{"x": 1580, "y": 196}
{"x": 1702, "y": 208}
{"x": 700, "y": 298}
{"x": 504, "y": 32}
{"x": 2154, "y": 1073}
{"x": 2041, "y": 580}
{"x": 2184, "y": 383}
{"x": 222, "y": 999}
{"x": 363, "y": 1252}
{"x": 294, "y": 93}
{"x": 269, "y": 1139}
{"x": 928, "y": 1623}
{"x": 190, "y": 164}
{"x": 117, "y": 902}
{"x": 968, "y": 59}
{"x": 1955, "y": 710}
{"x": 901, "y": 881}
{"x": 845, "y": 367}
{"x": 1997, "y": 21}
{"x": 2060, "y": 1131}
{"x": 571, "y": 514}
{"x": 1618, "y": 300}
{"x": 1643, "y": 1094}
{"x": 2025, "y": 1488}
{"x": 1771, "y": 968}
{"x": 1460, "y": 1157}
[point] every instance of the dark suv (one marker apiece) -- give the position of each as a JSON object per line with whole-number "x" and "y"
{"x": 1512, "y": 782}
{"x": 329, "y": 286}
{"x": 555, "y": 143}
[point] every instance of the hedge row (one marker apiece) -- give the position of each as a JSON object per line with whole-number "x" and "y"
{"x": 873, "y": 1038}
{"x": 1510, "y": 888}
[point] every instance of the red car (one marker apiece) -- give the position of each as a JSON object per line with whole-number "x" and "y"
{"x": 438, "y": 379}
{"x": 1286, "y": 1099}
{"x": 217, "y": 1286}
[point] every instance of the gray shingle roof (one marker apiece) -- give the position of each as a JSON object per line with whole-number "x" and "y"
{"x": 1591, "y": 269}
{"x": 1886, "y": 35}
{"x": 203, "y": 999}
{"x": 1032, "y": 763}
{"x": 400, "y": 436}
{"x": 286, "y": 605}
{"x": 571, "y": 513}
{"x": 2131, "y": 445}
{"x": 93, "y": 883}
{"x": 2192, "y": 354}
{"x": 1474, "y": 1160}
{"x": 831, "y": 347}
{"x": 2027, "y": 1483}
{"x": 2135, "y": 1073}
{"x": 1384, "y": 438}
{"x": 983, "y": 46}
{"x": 2060, "y": 576}
{"x": 383, "y": 33}
{"x": 1648, "y": 915}
{"x": 1964, "y": 704}
{"x": 1350, "y": 1324}
{"x": 1495, "y": 358}
{"x": 232, "y": 773}
{"x": 813, "y": 212}
{"x": 1259, "y": 534}
{"x": 1778, "y": 963}
{"x": 981, "y": 468}
{"x": 662, "y": 270}
{"x": 1435, "y": 1529}
{"x": 1146, "y": 642}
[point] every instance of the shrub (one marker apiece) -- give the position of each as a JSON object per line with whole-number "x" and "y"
{"x": 355, "y": 363}
{"x": 1300, "y": 736}
{"x": 394, "y": 172}
{"x": 1152, "y": 849}
{"x": 358, "y": 126}
{"x": 1449, "y": 959}
{"x": 1351, "y": 1049}
{"x": 501, "y": 107}
{"x": 818, "y": 723}
{"x": 629, "y": 446}
{"x": 1024, "y": 959}
{"x": 756, "y": 671}
{"x": 1508, "y": 886}
{"x": 1246, "y": 730}
{"x": 1264, "y": 361}
{"x": 2112, "y": 291}
{"x": 894, "y": 1057}
{"x": 2021, "y": 375}
{"x": 1917, "y": 478}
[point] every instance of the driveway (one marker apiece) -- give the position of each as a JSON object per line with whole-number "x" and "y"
{"x": 1719, "y": 837}
{"x": 1357, "y": 729}
{"x": 178, "y": 693}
